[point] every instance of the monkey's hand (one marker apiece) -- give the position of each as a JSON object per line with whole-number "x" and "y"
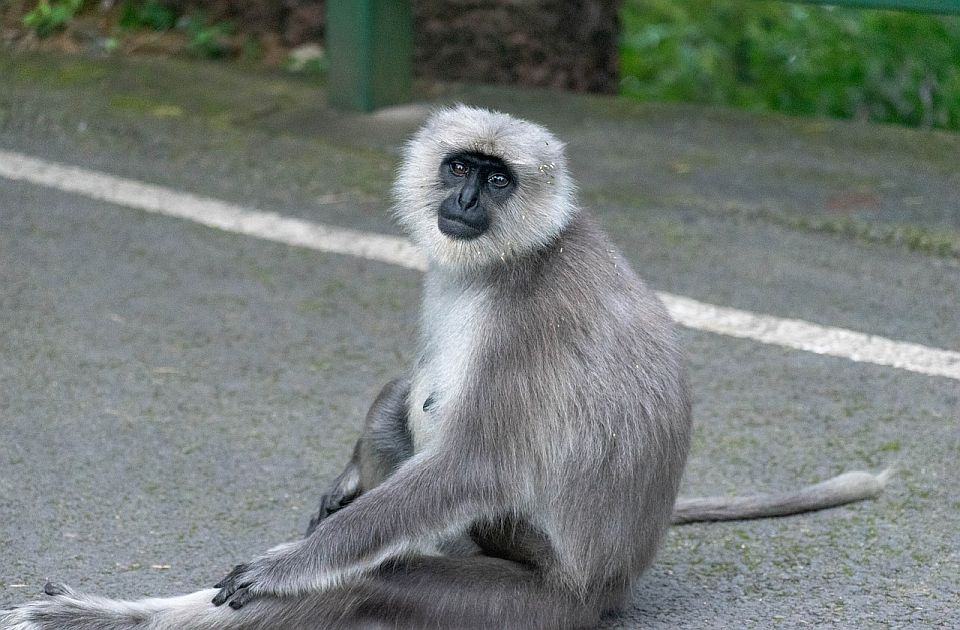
{"x": 404, "y": 514}
{"x": 234, "y": 588}
{"x": 275, "y": 573}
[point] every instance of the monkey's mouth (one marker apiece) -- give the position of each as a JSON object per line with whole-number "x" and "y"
{"x": 460, "y": 229}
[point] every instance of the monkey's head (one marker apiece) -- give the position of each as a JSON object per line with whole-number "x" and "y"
{"x": 478, "y": 187}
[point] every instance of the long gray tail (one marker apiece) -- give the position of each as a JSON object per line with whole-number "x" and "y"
{"x": 68, "y": 609}
{"x": 845, "y": 488}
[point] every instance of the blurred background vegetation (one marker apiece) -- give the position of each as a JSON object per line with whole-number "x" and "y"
{"x": 884, "y": 66}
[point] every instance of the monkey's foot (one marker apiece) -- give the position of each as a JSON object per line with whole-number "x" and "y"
{"x": 43, "y": 614}
{"x": 330, "y": 503}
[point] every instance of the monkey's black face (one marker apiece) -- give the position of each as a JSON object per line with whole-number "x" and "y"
{"x": 477, "y": 184}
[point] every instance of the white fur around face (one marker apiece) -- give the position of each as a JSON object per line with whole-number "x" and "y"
{"x": 541, "y": 204}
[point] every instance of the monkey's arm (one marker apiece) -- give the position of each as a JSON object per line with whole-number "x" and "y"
{"x": 427, "y": 496}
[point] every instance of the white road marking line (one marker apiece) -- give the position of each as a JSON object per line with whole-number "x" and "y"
{"x": 802, "y": 335}
{"x": 211, "y": 212}
{"x": 789, "y": 333}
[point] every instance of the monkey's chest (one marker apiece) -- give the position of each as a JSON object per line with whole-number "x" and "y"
{"x": 434, "y": 386}
{"x": 447, "y": 361}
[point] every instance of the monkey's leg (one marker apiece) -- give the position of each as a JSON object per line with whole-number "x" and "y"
{"x": 479, "y": 593}
{"x": 383, "y": 445}
{"x": 416, "y": 593}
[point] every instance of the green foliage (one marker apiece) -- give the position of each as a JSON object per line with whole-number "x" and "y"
{"x": 110, "y": 44}
{"x": 151, "y": 14}
{"x": 885, "y": 66}
{"x": 47, "y": 17}
{"x": 205, "y": 40}
{"x": 208, "y": 40}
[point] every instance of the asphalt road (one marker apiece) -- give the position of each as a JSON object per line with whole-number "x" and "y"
{"x": 173, "y": 397}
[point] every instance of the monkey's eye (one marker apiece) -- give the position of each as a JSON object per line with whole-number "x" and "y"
{"x": 459, "y": 169}
{"x": 499, "y": 180}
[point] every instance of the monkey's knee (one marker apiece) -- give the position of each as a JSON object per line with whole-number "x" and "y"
{"x": 389, "y": 408}
{"x": 386, "y": 442}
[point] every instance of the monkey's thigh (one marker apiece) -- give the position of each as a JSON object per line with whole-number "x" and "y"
{"x": 476, "y": 592}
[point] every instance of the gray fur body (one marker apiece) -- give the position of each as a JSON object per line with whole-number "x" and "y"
{"x": 521, "y": 476}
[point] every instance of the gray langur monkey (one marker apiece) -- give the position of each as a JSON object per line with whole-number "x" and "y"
{"x": 524, "y": 473}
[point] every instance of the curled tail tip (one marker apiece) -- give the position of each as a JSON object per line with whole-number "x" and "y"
{"x": 859, "y": 484}
{"x": 879, "y": 480}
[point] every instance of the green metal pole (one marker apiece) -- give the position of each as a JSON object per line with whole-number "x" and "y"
{"x": 370, "y": 47}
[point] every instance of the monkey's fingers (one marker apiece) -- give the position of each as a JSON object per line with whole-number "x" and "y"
{"x": 241, "y": 597}
{"x": 231, "y": 584}
{"x": 234, "y": 572}
{"x": 224, "y": 595}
